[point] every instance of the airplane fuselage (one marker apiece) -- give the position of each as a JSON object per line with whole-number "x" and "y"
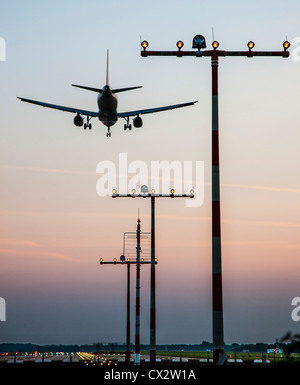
{"x": 107, "y": 104}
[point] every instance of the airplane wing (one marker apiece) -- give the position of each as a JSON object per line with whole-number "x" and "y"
{"x": 151, "y": 110}
{"x": 62, "y": 108}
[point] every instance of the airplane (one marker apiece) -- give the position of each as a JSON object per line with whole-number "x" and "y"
{"x": 107, "y": 107}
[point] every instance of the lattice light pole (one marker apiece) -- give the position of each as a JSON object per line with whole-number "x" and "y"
{"x": 199, "y": 44}
{"x": 138, "y": 262}
{"x": 153, "y": 195}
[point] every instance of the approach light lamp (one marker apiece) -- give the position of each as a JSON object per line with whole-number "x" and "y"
{"x": 122, "y": 258}
{"x": 286, "y": 45}
{"x": 250, "y": 45}
{"x": 199, "y": 42}
{"x": 144, "y": 44}
{"x": 192, "y": 191}
{"x": 115, "y": 260}
{"x": 101, "y": 260}
{"x": 133, "y": 191}
{"x": 153, "y": 191}
{"x": 172, "y": 192}
{"x": 215, "y": 44}
{"x": 179, "y": 44}
{"x": 144, "y": 189}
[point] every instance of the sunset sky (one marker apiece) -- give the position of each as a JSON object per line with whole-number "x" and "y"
{"x": 54, "y": 226}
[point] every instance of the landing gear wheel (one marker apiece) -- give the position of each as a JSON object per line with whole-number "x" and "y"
{"x": 87, "y": 125}
{"x": 125, "y": 127}
{"x": 129, "y": 127}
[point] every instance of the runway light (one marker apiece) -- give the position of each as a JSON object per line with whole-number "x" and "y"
{"x": 179, "y": 44}
{"x": 250, "y": 45}
{"x": 153, "y": 191}
{"x": 115, "y": 260}
{"x": 192, "y": 191}
{"x": 133, "y": 191}
{"x": 172, "y": 191}
{"x": 286, "y": 45}
{"x": 215, "y": 44}
{"x": 144, "y": 44}
{"x": 101, "y": 260}
{"x": 199, "y": 42}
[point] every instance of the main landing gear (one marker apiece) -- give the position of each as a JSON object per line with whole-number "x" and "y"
{"x": 88, "y": 124}
{"x": 127, "y": 125}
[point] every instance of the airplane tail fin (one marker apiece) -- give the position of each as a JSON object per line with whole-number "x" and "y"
{"x": 107, "y": 68}
{"x": 107, "y": 82}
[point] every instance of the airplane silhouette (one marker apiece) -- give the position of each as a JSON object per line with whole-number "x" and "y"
{"x": 107, "y": 107}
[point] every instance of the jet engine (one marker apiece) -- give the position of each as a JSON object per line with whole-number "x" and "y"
{"x": 78, "y": 121}
{"x": 137, "y": 122}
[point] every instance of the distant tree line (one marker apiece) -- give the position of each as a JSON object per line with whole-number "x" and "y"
{"x": 114, "y": 347}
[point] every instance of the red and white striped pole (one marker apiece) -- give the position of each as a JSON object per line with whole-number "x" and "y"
{"x": 217, "y": 297}
{"x": 138, "y": 286}
{"x": 152, "y": 289}
{"x": 128, "y": 316}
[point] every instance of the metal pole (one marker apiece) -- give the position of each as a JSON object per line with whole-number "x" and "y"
{"x": 217, "y": 297}
{"x": 218, "y": 335}
{"x": 128, "y": 316}
{"x": 152, "y": 290}
{"x": 137, "y": 309}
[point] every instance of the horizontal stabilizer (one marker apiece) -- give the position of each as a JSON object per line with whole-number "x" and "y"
{"x": 125, "y": 89}
{"x": 88, "y": 88}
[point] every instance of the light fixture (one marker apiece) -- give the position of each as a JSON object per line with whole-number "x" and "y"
{"x": 215, "y": 44}
{"x": 179, "y": 44}
{"x": 115, "y": 260}
{"x": 172, "y": 191}
{"x": 133, "y": 191}
{"x": 192, "y": 191}
{"x": 199, "y": 42}
{"x": 250, "y": 45}
{"x": 144, "y": 189}
{"x": 153, "y": 191}
{"x": 101, "y": 260}
{"x": 286, "y": 45}
{"x": 144, "y": 44}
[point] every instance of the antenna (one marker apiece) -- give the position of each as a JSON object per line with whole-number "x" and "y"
{"x": 213, "y": 33}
